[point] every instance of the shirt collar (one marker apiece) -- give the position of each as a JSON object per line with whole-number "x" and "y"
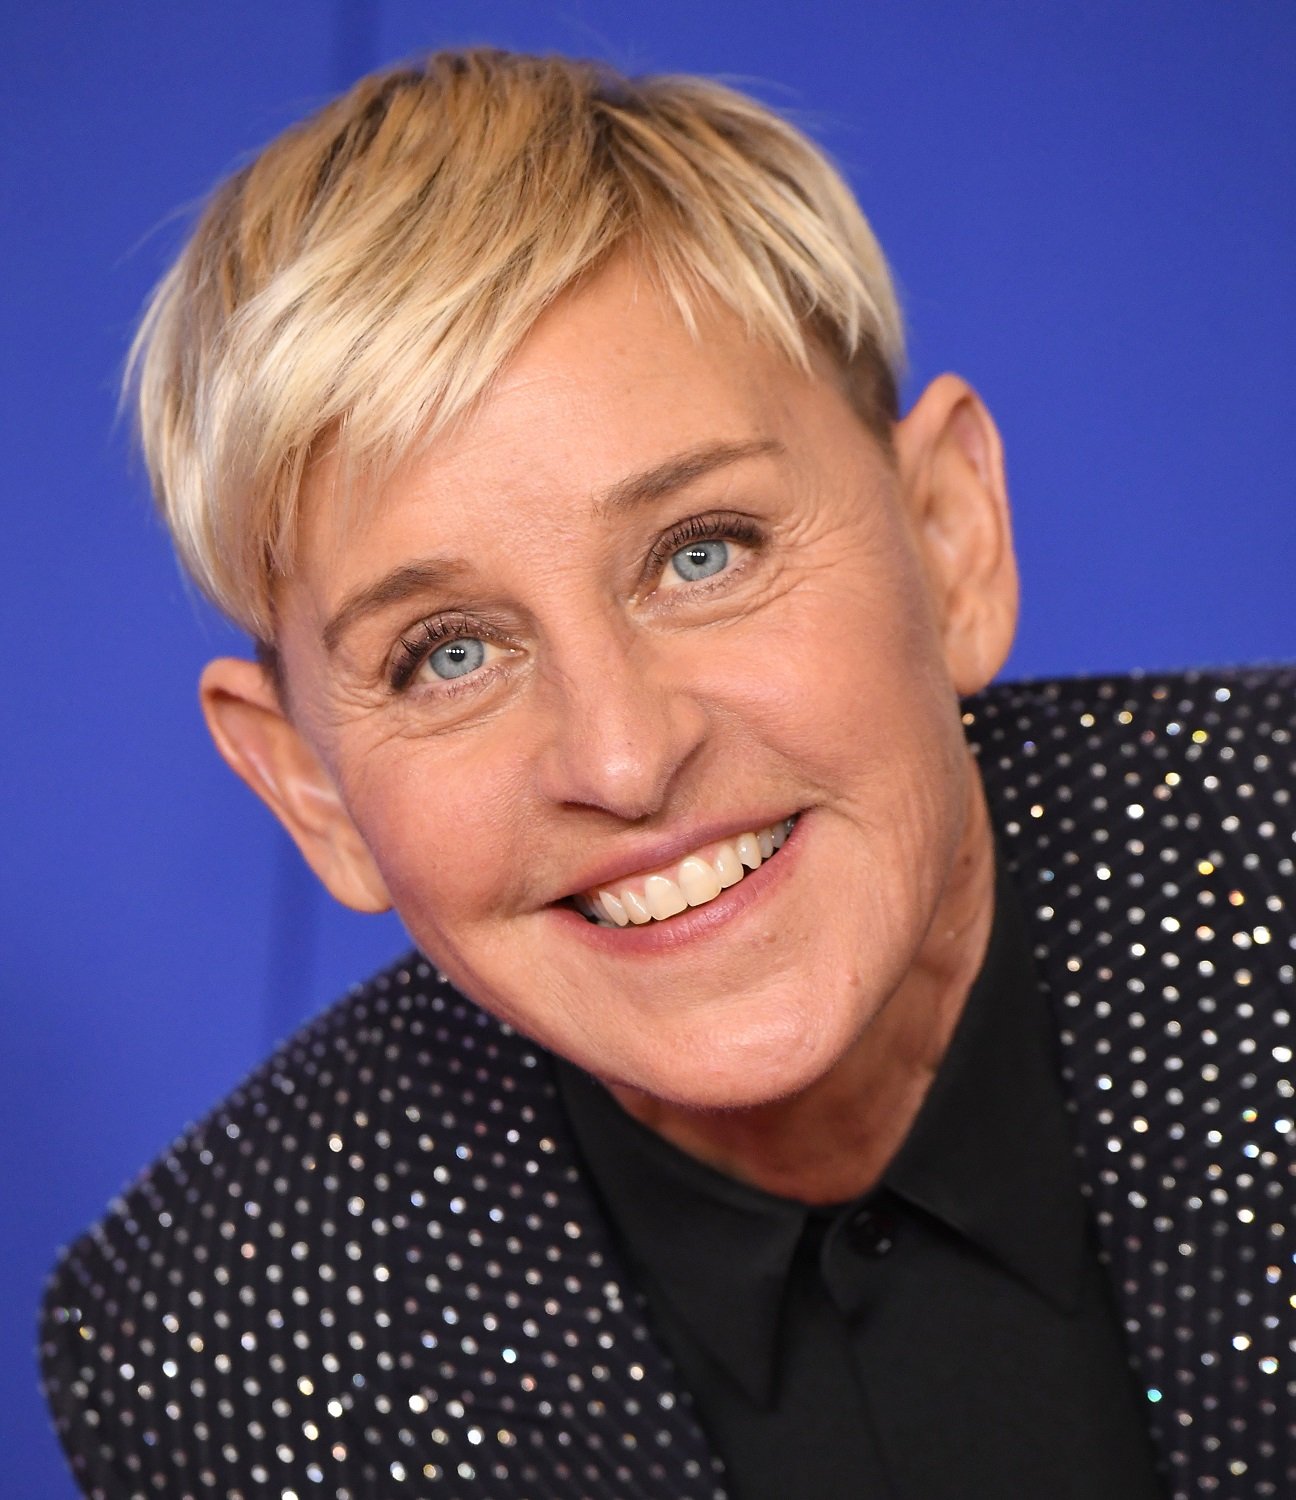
{"x": 718, "y": 1250}
{"x": 989, "y": 1155}
{"x": 992, "y": 1153}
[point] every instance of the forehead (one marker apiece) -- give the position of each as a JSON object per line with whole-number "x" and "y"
{"x": 609, "y": 385}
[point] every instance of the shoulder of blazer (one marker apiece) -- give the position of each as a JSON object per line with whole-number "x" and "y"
{"x": 374, "y": 1269}
{"x": 1150, "y": 825}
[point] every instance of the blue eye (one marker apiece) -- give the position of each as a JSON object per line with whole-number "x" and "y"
{"x": 458, "y": 657}
{"x": 701, "y": 560}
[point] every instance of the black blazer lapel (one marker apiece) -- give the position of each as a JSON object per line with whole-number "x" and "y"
{"x": 1149, "y": 825}
{"x": 526, "y": 1363}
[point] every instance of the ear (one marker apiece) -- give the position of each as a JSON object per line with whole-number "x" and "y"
{"x": 950, "y": 460}
{"x": 260, "y": 742}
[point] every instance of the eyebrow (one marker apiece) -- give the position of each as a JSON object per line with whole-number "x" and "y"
{"x": 429, "y": 574}
{"x": 678, "y": 471}
{"x": 393, "y": 588}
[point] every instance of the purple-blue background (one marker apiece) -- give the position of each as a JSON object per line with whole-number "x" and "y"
{"x": 1090, "y": 209}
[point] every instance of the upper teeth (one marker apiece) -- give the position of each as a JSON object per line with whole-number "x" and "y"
{"x": 695, "y": 880}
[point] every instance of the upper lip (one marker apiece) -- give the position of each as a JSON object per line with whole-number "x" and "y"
{"x": 664, "y": 849}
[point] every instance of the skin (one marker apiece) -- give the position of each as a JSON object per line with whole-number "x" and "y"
{"x": 788, "y": 1033}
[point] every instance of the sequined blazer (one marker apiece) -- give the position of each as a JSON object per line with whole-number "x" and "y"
{"x": 377, "y": 1268}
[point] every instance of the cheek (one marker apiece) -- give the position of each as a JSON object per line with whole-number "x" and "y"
{"x": 844, "y": 676}
{"x": 844, "y": 691}
{"x": 437, "y": 822}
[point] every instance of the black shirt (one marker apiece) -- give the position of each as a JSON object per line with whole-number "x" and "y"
{"x": 948, "y": 1336}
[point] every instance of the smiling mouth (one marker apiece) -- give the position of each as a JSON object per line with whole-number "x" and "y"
{"x": 695, "y": 880}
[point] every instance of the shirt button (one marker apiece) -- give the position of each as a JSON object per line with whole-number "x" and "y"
{"x": 870, "y": 1232}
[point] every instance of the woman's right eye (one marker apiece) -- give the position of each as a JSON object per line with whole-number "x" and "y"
{"x": 442, "y": 652}
{"x": 457, "y": 658}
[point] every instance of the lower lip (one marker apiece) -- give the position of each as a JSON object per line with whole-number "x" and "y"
{"x": 698, "y": 922}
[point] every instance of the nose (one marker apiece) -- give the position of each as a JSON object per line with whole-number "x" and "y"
{"x": 620, "y": 726}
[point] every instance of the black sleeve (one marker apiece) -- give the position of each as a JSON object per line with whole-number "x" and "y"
{"x": 101, "y": 1451}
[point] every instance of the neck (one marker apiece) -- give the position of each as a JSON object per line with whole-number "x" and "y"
{"x": 832, "y": 1141}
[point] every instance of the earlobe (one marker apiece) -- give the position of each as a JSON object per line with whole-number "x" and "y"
{"x": 950, "y": 461}
{"x": 264, "y": 747}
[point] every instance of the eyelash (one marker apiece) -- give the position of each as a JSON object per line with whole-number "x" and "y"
{"x": 716, "y": 527}
{"x": 414, "y": 648}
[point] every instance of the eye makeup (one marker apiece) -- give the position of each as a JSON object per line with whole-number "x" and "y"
{"x": 714, "y": 526}
{"x": 417, "y": 643}
{"x": 414, "y": 647}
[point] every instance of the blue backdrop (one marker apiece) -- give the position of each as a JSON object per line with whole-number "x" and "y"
{"x": 1091, "y": 212}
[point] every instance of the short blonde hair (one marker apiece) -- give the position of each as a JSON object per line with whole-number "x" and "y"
{"x": 365, "y": 276}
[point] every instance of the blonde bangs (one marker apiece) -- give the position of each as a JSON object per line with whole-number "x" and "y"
{"x": 371, "y": 271}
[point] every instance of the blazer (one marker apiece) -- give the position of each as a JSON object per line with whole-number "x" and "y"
{"x": 377, "y": 1269}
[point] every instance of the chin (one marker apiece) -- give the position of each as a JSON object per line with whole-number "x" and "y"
{"x": 761, "y": 1065}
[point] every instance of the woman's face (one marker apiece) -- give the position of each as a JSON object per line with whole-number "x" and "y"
{"x": 656, "y": 593}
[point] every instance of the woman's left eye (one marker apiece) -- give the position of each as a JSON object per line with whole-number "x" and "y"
{"x": 700, "y": 560}
{"x": 715, "y": 547}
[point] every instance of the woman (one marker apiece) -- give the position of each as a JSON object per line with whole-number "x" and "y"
{"x": 540, "y": 426}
